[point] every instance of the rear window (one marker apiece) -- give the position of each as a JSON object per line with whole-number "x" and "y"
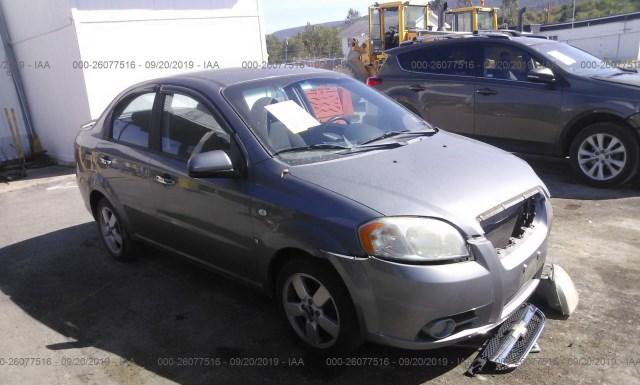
{"x": 133, "y": 119}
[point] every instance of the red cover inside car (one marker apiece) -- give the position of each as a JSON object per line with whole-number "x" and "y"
{"x": 328, "y": 102}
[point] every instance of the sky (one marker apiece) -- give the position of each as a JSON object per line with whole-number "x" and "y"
{"x": 281, "y": 14}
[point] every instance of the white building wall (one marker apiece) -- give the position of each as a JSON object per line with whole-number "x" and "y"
{"x": 61, "y": 34}
{"x": 186, "y": 35}
{"x": 618, "y": 40}
{"x": 42, "y": 32}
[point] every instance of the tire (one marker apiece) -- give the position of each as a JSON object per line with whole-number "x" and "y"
{"x": 605, "y": 154}
{"x": 330, "y": 328}
{"x": 113, "y": 233}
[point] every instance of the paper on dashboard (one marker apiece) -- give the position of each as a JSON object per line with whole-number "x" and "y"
{"x": 294, "y": 117}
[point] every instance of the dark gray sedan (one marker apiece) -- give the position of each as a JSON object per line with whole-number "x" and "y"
{"x": 527, "y": 95}
{"x": 361, "y": 219}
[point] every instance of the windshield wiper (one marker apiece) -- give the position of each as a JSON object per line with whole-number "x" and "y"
{"x": 391, "y": 134}
{"x": 318, "y": 146}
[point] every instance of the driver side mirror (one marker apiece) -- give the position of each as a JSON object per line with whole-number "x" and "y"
{"x": 541, "y": 75}
{"x": 211, "y": 164}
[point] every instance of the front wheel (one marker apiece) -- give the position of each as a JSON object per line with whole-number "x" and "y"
{"x": 317, "y": 307}
{"x": 605, "y": 154}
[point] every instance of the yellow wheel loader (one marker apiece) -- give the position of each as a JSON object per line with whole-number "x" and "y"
{"x": 394, "y": 23}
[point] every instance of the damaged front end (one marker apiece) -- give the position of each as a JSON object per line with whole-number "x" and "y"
{"x": 512, "y": 342}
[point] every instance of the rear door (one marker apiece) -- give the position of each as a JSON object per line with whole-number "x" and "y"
{"x": 122, "y": 159}
{"x": 203, "y": 218}
{"x": 511, "y": 111}
{"x": 441, "y": 79}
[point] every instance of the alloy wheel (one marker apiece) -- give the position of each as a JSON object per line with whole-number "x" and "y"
{"x": 602, "y": 156}
{"x": 111, "y": 231}
{"x": 311, "y": 310}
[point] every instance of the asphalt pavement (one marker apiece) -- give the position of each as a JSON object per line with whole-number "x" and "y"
{"x": 71, "y": 315}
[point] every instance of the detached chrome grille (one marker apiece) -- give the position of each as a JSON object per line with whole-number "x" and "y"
{"x": 512, "y": 342}
{"x": 505, "y": 224}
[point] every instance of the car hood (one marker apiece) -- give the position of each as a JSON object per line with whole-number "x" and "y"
{"x": 445, "y": 176}
{"x": 630, "y": 79}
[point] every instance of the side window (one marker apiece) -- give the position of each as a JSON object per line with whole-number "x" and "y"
{"x": 185, "y": 122}
{"x": 507, "y": 62}
{"x": 133, "y": 120}
{"x": 452, "y": 59}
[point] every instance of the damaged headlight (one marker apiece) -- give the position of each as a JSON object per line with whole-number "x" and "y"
{"x": 412, "y": 239}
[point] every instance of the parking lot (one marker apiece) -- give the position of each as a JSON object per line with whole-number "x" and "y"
{"x": 71, "y": 315}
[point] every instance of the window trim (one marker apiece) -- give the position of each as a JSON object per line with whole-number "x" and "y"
{"x": 153, "y": 147}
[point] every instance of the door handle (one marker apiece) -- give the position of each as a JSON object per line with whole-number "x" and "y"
{"x": 165, "y": 180}
{"x": 486, "y": 91}
{"x": 417, "y": 87}
{"x": 104, "y": 160}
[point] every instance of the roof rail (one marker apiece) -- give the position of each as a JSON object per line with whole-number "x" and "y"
{"x": 495, "y": 35}
{"x": 515, "y": 33}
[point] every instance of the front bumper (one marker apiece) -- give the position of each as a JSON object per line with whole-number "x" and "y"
{"x": 395, "y": 301}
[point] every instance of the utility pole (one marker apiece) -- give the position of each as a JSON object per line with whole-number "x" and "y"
{"x": 573, "y": 18}
{"x": 14, "y": 69}
{"x": 286, "y": 50}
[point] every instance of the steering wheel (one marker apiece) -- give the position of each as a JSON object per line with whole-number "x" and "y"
{"x": 338, "y": 118}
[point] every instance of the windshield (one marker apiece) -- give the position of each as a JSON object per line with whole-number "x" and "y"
{"x": 319, "y": 119}
{"x": 574, "y": 60}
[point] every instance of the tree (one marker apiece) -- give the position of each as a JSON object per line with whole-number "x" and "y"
{"x": 313, "y": 42}
{"x": 510, "y": 11}
{"x": 274, "y": 49}
{"x": 436, "y": 5}
{"x": 352, "y": 14}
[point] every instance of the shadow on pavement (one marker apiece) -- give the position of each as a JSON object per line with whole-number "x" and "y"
{"x": 164, "y": 307}
{"x": 559, "y": 178}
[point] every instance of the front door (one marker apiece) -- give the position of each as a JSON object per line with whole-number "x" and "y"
{"x": 202, "y": 218}
{"x": 511, "y": 111}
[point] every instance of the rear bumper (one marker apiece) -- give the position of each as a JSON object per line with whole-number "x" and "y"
{"x": 395, "y": 301}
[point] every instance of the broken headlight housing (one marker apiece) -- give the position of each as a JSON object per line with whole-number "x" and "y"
{"x": 413, "y": 239}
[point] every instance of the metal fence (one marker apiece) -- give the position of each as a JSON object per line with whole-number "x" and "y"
{"x": 324, "y": 63}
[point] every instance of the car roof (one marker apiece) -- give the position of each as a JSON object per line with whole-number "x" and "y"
{"x": 494, "y": 37}
{"x": 229, "y": 76}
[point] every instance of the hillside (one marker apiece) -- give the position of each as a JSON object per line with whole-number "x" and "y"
{"x": 291, "y": 32}
{"x": 561, "y": 10}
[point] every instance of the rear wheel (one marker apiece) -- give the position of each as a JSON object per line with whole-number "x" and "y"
{"x": 605, "y": 154}
{"x": 317, "y": 307}
{"x": 113, "y": 233}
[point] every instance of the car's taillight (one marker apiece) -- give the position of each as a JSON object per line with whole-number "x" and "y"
{"x": 374, "y": 81}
